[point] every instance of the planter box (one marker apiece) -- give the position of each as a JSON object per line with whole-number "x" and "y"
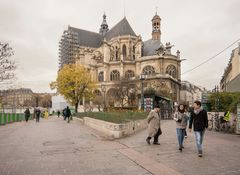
{"x": 114, "y": 130}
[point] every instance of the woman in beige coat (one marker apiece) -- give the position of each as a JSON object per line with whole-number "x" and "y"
{"x": 154, "y": 129}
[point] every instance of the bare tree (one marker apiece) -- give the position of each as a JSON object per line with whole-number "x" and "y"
{"x": 7, "y": 66}
{"x": 126, "y": 93}
{"x": 46, "y": 101}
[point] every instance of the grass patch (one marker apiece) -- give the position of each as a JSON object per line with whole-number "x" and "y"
{"x": 114, "y": 117}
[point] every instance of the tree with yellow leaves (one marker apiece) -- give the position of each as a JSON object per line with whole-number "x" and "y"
{"x": 74, "y": 82}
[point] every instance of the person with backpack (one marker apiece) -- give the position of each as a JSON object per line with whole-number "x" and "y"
{"x": 68, "y": 113}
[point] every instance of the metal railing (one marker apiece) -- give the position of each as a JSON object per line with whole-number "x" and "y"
{"x": 6, "y": 118}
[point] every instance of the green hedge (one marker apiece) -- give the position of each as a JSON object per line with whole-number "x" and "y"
{"x": 114, "y": 117}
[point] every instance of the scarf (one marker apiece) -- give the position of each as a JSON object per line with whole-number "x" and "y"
{"x": 196, "y": 111}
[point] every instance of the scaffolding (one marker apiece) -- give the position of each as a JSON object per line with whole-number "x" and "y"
{"x": 68, "y": 47}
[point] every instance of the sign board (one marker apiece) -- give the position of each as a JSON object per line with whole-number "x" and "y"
{"x": 148, "y": 104}
{"x": 238, "y": 119}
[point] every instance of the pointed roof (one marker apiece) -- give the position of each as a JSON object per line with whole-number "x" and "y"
{"x": 121, "y": 28}
{"x": 87, "y": 38}
{"x": 150, "y": 46}
{"x": 104, "y": 20}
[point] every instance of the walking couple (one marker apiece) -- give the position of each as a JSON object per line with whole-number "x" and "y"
{"x": 199, "y": 120}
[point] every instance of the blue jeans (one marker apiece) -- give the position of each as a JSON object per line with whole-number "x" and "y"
{"x": 199, "y": 140}
{"x": 180, "y": 135}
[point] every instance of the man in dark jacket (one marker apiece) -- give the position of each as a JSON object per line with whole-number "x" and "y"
{"x": 199, "y": 119}
{"x": 27, "y": 114}
{"x": 38, "y": 113}
{"x": 68, "y": 113}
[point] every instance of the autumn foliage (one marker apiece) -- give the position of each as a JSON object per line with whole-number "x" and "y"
{"x": 74, "y": 82}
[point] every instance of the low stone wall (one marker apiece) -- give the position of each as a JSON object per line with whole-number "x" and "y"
{"x": 114, "y": 130}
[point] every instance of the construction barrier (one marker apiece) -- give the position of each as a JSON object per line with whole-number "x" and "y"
{"x": 2, "y": 119}
{"x": 6, "y": 118}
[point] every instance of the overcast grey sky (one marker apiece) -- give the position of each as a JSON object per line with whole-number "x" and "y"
{"x": 199, "y": 29}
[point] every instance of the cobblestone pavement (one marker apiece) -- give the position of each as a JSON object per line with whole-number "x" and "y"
{"x": 54, "y": 147}
{"x": 221, "y": 152}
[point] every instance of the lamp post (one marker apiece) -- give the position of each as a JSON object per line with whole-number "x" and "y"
{"x": 217, "y": 105}
{"x": 103, "y": 88}
{"x": 142, "y": 77}
{"x": 216, "y": 100}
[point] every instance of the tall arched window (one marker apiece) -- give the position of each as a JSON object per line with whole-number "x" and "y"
{"x": 171, "y": 70}
{"x": 124, "y": 51}
{"x": 100, "y": 77}
{"x": 114, "y": 75}
{"x": 133, "y": 53}
{"x": 129, "y": 74}
{"x": 148, "y": 70}
{"x": 116, "y": 53}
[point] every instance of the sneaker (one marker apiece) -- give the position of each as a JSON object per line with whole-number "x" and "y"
{"x": 148, "y": 141}
{"x": 156, "y": 143}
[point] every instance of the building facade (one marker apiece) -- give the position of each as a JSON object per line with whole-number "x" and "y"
{"x": 118, "y": 58}
{"x": 16, "y": 98}
{"x": 190, "y": 93}
{"x": 230, "y": 81}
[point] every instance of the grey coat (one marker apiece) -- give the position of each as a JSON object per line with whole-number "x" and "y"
{"x": 154, "y": 121}
{"x": 184, "y": 119}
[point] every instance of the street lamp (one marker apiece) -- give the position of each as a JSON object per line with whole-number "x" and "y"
{"x": 216, "y": 100}
{"x": 142, "y": 77}
{"x": 103, "y": 88}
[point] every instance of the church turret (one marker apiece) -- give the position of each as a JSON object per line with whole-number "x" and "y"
{"x": 104, "y": 26}
{"x": 156, "y": 23}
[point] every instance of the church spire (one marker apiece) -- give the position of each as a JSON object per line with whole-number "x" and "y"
{"x": 104, "y": 26}
{"x": 156, "y": 23}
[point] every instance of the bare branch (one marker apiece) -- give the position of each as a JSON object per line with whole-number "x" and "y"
{"x": 7, "y": 66}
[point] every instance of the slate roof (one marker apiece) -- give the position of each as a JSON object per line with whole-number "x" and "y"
{"x": 92, "y": 39}
{"x": 121, "y": 28}
{"x": 87, "y": 38}
{"x": 150, "y": 46}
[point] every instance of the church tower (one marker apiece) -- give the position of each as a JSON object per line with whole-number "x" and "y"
{"x": 156, "y": 23}
{"x": 104, "y": 26}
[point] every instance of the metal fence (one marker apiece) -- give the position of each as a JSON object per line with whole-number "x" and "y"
{"x": 216, "y": 122}
{"x": 6, "y": 118}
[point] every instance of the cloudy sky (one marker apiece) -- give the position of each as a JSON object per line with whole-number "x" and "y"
{"x": 199, "y": 29}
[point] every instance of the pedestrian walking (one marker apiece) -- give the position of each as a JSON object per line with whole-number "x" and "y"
{"x": 199, "y": 120}
{"x": 187, "y": 111}
{"x": 58, "y": 113}
{"x": 38, "y": 114}
{"x": 154, "y": 125}
{"x": 68, "y": 113}
{"x": 181, "y": 118}
{"x": 64, "y": 113}
{"x": 46, "y": 114}
{"x": 27, "y": 114}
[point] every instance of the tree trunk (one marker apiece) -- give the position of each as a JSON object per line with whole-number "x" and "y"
{"x": 76, "y": 107}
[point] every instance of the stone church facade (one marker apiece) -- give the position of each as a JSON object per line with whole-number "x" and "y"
{"x": 122, "y": 63}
